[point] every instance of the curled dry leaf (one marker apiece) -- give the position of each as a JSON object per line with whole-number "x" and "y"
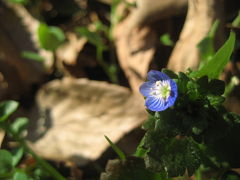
{"x": 67, "y": 54}
{"x": 69, "y": 51}
{"x": 135, "y": 40}
{"x": 2, "y": 134}
{"x": 135, "y": 50}
{"x": 200, "y": 18}
{"x": 15, "y": 37}
{"x": 78, "y": 113}
{"x": 150, "y": 11}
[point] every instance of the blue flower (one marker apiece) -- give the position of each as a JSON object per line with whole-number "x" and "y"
{"x": 160, "y": 91}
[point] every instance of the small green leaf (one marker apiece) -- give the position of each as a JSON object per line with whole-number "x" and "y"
{"x": 236, "y": 22}
{"x": 182, "y": 82}
{"x": 166, "y": 40}
{"x": 206, "y": 49}
{"x": 150, "y": 123}
{"x": 40, "y": 173}
{"x": 206, "y": 46}
{"x": 93, "y": 37}
{"x": 114, "y": 15}
{"x": 50, "y": 37}
{"x": 19, "y": 175}
{"x": 6, "y": 109}
{"x": 231, "y": 85}
{"x": 17, "y": 155}
{"x": 216, "y": 87}
{"x": 140, "y": 152}
{"x": 23, "y": 2}
{"x": 101, "y": 27}
{"x": 213, "y": 29}
{"x": 116, "y": 149}
{"x": 203, "y": 84}
{"x": 216, "y": 64}
{"x": 32, "y": 56}
{"x": 19, "y": 125}
{"x": 5, "y": 161}
{"x": 215, "y": 100}
{"x": 170, "y": 73}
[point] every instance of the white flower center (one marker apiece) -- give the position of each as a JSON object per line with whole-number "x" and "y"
{"x": 161, "y": 89}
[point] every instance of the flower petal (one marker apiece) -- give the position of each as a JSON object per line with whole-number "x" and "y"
{"x": 173, "y": 85}
{"x": 145, "y": 88}
{"x": 155, "y": 104}
{"x": 173, "y": 95}
{"x": 154, "y": 75}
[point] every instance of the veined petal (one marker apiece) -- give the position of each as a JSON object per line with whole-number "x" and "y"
{"x": 171, "y": 101}
{"x": 145, "y": 88}
{"x": 155, "y": 104}
{"x": 173, "y": 85}
{"x": 160, "y": 91}
{"x": 154, "y": 75}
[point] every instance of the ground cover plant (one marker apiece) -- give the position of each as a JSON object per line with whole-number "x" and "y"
{"x": 119, "y": 90}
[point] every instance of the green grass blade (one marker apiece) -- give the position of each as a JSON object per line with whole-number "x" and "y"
{"x": 216, "y": 64}
{"x": 116, "y": 149}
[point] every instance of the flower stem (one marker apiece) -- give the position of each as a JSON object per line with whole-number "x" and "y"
{"x": 39, "y": 160}
{"x": 42, "y": 162}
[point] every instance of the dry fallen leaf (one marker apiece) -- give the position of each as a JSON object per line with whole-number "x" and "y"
{"x": 68, "y": 53}
{"x": 135, "y": 50}
{"x": 200, "y": 18}
{"x": 77, "y": 113}
{"x": 15, "y": 37}
{"x": 135, "y": 40}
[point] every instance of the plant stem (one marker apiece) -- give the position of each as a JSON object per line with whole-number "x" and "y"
{"x": 42, "y": 162}
{"x": 104, "y": 65}
{"x": 39, "y": 160}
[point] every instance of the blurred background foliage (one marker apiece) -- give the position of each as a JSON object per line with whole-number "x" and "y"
{"x": 48, "y": 47}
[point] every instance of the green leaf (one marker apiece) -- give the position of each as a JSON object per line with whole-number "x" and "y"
{"x": 182, "y": 82}
{"x": 140, "y": 152}
{"x": 93, "y": 37}
{"x": 231, "y": 85}
{"x": 150, "y": 123}
{"x": 40, "y": 174}
{"x": 203, "y": 84}
{"x": 216, "y": 87}
{"x": 114, "y": 15}
{"x": 5, "y": 161}
{"x": 236, "y": 22}
{"x": 32, "y": 56}
{"x": 19, "y": 125}
{"x": 231, "y": 175}
{"x": 131, "y": 169}
{"x": 171, "y": 155}
{"x": 206, "y": 46}
{"x": 166, "y": 40}
{"x": 6, "y": 109}
{"x": 17, "y": 155}
{"x": 50, "y": 37}
{"x": 215, "y": 100}
{"x": 170, "y": 73}
{"x": 116, "y": 149}
{"x": 216, "y": 64}
{"x": 101, "y": 27}
{"x": 23, "y": 2}
{"x": 19, "y": 175}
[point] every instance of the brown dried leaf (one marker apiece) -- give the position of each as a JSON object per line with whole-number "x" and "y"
{"x": 135, "y": 50}
{"x": 78, "y": 113}
{"x": 201, "y": 16}
{"x": 18, "y": 34}
{"x": 67, "y": 55}
{"x": 69, "y": 51}
{"x": 150, "y": 11}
